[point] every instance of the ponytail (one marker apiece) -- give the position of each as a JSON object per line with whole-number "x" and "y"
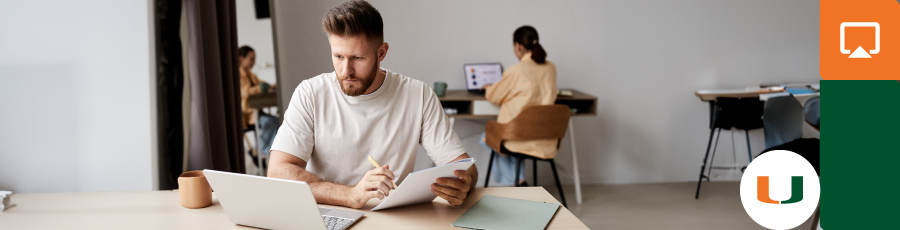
{"x": 527, "y": 37}
{"x": 538, "y": 54}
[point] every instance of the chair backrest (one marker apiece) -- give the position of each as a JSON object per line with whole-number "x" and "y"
{"x": 811, "y": 111}
{"x": 782, "y": 120}
{"x": 533, "y": 123}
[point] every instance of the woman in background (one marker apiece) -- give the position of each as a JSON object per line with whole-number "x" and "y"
{"x": 251, "y": 85}
{"x": 530, "y": 82}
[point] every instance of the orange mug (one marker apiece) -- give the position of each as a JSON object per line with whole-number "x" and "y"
{"x": 194, "y": 190}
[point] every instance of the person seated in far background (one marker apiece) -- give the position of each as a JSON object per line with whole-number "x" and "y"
{"x": 251, "y": 85}
{"x": 530, "y": 82}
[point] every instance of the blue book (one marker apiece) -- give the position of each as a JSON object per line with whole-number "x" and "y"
{"x": 798, "y": 91}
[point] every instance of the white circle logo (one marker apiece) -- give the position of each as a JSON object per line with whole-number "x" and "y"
{"x": 780, "y": 190}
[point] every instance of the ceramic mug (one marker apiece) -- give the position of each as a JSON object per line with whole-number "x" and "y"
{"x": 264, "y": 87}
{"x": 440, "y": 88}
{"x": 194, "y": 190}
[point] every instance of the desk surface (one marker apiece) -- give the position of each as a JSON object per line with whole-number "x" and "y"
{"x": 711, "y": 95}
{"x": 262, "y": 100}
{"x": 160, "y": 210}
{"x": 462, "y": 100}
{"x": 464, "y": 95}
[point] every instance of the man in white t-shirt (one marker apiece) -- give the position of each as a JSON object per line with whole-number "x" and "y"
{"x": 335, "y": 121}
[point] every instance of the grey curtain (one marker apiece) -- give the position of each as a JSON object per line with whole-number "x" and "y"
{"x": 215, "y": 141}
{"x": 169, "y": 86}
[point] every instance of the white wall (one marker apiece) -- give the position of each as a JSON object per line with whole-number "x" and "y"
{"x": 76, "y": 96}
{"x": 642, "y": 59}
{"x": 256, "y": 33}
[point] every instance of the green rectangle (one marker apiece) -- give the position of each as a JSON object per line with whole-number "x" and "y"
{"x": 860, "y": 150}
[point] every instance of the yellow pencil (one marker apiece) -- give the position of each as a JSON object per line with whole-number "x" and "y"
{"x": 378, "y": 166}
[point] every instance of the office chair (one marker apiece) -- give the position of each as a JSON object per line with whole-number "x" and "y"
{"x": 782, "y": 120}
{"x": 727, "y": 113}
{"x": 533, "y": 123}
{"x": 808, "y": 148}
{"x": 811, "y": 112}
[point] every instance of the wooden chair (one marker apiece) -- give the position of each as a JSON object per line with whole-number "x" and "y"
{"x": 533, "y": 123}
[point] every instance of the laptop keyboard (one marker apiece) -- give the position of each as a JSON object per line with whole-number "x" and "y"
{"x": 336, "y": 223}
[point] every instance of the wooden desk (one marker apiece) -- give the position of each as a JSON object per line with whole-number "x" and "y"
{"x": 461, "y": 100}
{"x": 586, "y": 104}
{"x": 710, "y": 96}
{"x": 263, "y": 100}
{"x": 160, "y": 210}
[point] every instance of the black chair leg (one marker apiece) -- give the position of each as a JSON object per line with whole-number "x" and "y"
{"x": 534, "y": 169}
{"x": 490, "y": 164}
{"x": 703, "y": 167}
{"x": 518, "y": 169}
{"x": 749, "y": 154}
{"x": 562, "y": 196}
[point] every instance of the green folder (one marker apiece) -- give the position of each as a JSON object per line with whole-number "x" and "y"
{"x": 492, "y": 212}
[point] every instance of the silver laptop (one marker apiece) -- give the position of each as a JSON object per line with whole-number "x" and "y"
{"x": 480, "y": 74}
{"x": 271, "y": 203}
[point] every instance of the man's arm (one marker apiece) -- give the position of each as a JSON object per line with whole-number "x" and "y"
{"x": 375, "y": 184}
{"x": 456, "y": 190}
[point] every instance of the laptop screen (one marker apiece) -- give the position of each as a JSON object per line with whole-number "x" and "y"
{"x": 478, "y": 75}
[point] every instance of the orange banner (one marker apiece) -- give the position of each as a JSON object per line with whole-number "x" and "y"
{"x": 859, "y": 39}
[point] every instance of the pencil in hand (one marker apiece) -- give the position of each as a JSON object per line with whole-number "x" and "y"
{"x": 371, "y": 159}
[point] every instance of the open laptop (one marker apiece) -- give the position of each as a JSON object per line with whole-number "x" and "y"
{"x": 271, "y": 203}
{"x": 480, "y": 74}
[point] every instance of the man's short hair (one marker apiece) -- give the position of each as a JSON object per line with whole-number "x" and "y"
{"x": 353, "y": 18}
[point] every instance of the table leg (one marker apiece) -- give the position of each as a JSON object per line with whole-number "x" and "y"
{"x": 259, "y": 160}
{"x": 452, "y": 121}
{"x": 575, "y": 163}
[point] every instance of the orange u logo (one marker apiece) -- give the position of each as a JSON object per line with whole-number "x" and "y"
{"x": 762, "y": 190}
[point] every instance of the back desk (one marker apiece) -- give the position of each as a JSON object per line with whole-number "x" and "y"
{"x": 463, "y": 101}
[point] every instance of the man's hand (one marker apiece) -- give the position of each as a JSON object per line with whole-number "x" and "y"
{"x": 454, "y": 190}
{"x": 375, "y": 184}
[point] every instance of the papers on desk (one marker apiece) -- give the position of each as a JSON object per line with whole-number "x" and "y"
{"x": 767, "y": 88}
{"x": 492, "y": 212}
{"x": 416, "y": 188}
{"x": 4, "y": 195}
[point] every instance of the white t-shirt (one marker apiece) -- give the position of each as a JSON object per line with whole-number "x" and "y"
{"x": 335, "y": 133}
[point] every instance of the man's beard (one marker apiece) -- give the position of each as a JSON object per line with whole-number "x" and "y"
{"x": 354, "y": 90}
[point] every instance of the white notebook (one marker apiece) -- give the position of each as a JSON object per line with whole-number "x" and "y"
{"x": 416, "y": 188}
